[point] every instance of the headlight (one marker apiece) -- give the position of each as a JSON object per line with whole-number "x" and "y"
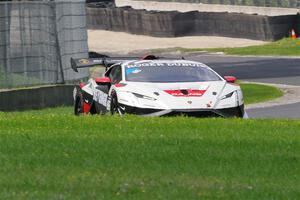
{"x": 144, "y": 97}
{"x": 227, "y": 96}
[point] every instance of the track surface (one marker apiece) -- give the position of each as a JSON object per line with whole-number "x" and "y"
{"x": 259, "y": 69}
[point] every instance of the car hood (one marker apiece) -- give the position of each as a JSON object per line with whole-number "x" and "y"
{"x": 186, "y": 95}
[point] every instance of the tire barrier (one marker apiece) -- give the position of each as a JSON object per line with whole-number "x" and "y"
{"x": 36, "y": 98}
{"x": 194, "y": 23}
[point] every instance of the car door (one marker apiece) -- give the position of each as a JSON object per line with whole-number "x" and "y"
{"x": 102, "y": 90}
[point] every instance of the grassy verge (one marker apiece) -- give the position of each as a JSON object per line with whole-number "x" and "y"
{"x": 256, "y": 93}
{"x": 53, "y": 155}
{"x": 50, "y": 154}
{"x": 284, "y": 47}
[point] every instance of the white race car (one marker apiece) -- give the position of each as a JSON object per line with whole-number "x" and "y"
{"x": 155, "y": 86}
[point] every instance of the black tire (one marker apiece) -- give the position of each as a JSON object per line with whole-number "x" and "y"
{"x": 115, "y": 106}
{"x": 78, "y": 106}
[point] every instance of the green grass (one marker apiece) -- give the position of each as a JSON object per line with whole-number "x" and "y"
{"x": 256, "y": 93}
{"x": 284, "y": 47}
{"x": 51, "y": 154}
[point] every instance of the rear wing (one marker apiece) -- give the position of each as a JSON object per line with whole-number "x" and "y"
{"x": 97, "y": 59}
{"x": 104, "y": 62}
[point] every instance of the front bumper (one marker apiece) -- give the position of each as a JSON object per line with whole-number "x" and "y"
{"x": 226, "y": 112}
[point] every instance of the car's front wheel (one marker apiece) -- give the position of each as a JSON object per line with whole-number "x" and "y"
{"x": 115, "y": 107}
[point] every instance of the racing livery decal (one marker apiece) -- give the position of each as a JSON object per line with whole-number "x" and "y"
{"x": 100, "y": 97}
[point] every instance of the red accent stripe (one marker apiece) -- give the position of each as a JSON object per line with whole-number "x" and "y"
{"x": 120, "y": 85}
{"x": 191, "y": 93}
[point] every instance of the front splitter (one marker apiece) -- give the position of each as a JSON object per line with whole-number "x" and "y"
{"x": 227, "y": 112}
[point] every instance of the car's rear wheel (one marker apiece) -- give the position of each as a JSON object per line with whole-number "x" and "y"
{"x": 115, "y": 107}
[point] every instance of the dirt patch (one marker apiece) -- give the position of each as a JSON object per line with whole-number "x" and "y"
{"x": 122, "y": 43}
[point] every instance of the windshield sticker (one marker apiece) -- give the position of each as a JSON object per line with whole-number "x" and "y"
{"x": 133, "y": 71}
{"x": 171, "y": 64}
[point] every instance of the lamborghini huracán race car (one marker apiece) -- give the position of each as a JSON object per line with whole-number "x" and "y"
{"x": 155, "y": 86}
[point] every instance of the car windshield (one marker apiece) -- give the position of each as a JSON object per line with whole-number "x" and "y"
{"x": 169, "y": 72}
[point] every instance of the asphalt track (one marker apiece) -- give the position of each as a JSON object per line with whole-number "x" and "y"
{"x": 259, "y": 69}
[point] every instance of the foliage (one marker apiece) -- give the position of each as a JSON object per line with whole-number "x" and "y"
{"x": 13, "y": 80}
{"x": 284, "y": 47}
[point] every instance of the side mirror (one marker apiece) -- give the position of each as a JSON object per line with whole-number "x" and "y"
{"x": 230, "y": 79}
{"x": 103, "y": 80}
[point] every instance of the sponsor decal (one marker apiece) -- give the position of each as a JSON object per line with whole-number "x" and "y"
{"x": 209, "y": 104}
{"x": 100, "y": 97}
{"x": 133, "y": 71}
{"x": 84, "y": 61}
{"x": 169, "y": 64}
{"x": 186, "y": 93}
